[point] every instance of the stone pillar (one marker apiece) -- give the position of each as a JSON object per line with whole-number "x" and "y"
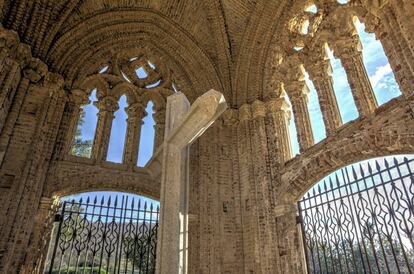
{"x": 30, "y": 179}
{"x": 289, "y": 240}
{"x": 41, "y": 236}
{"x": 349, "y": 50}
{"x": 320, "y": 72}
{"x": 396, "y": 47}
{"x": 278, "y": 115}
{"x": 136, "y": 112}
{"x": 107, "y": 106}
{"x": 182, "y": 129}
{"x": 298, "y": 95}
{"x": 77, "y": 99}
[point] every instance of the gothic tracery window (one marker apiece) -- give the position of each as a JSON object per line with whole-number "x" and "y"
{"x": 345, "y": 72}
{"x": 130, "y": 128}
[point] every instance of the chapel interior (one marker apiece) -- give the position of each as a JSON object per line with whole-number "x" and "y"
{"x": 232, "y": 89}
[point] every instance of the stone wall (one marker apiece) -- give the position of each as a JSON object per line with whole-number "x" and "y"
{"x": 243, "y": 183}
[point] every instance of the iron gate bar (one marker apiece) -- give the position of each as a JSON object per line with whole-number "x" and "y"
{"x": 108, "y": 237}
{"x": 361, "y": 225}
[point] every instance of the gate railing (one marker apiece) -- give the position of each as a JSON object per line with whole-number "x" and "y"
{"x": 118, "y": 236}
{"x": 361, "y": 219}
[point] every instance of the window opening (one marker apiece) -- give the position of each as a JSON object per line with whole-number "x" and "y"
{"x": 292, "y": 131}
{"x": 174, "y": 87}
{"x": 378, "y": 68}
{"x": 315, "y": 113}
{"x": 146, "y": 144}
{"x": 141, "y": 73}
{"x": 312, "y": 9}
{"x": 153, "y": 85}
{"x": 126, "y": 77}
{"x": 118, "y": 133}
{"x": 104, "y": 69}
{"x": 151, "y": 65}
{"x": 85, "y": 130}
{"x": 342, "y": 90}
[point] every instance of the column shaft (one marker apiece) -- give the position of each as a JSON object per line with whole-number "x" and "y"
{"x": 134, "y": 123}
{"x": 107, "y": 106}
{"x": 298, "y": 95}
{"x": 279, "y": 117}
{"x": 320, "y": 74}
{"x": 350, "y": 52}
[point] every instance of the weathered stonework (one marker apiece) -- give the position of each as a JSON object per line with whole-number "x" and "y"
{"x": 243, "y": 181}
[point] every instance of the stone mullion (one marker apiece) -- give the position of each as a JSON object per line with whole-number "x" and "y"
{"x": 298, "y": 95}
{"x": 136, "y": 113}
{"x": 348, "y": 50}
{"x": 107, "y": 106}
{"x": 159, "y": 118}
{"x": 34, "y": 174}
{"x": 278, "y": 117}
{"x": 320, "y": 74}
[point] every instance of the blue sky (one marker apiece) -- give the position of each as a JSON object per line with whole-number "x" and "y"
{"x": 381, "y": 77}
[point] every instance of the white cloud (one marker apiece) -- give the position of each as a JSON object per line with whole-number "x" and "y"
{"x": 379, "y": 74}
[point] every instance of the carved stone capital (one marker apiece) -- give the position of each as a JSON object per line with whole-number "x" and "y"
{"x": 347, "y": 47}
{"x": 279, "y": 105}
{"x": 245, "y": 113}
{"x": 258, "y": 109}
{"x": 35, "y": 70}
{"x": 230, "y": 117}
{"x": 79, "y": 97}
{"x": 107, "y": 103}
{"x": 136, "y": 110}
{"x": 159, "y": 116}
{"x": 297, "y": 90}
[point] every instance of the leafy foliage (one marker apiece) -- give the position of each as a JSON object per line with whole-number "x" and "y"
{"x": 81, "y": 147}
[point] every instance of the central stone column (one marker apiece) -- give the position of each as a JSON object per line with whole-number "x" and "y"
{"x": 182, "y": 127}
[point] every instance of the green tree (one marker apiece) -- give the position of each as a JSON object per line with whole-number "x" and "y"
{"x": 81, "y": 147}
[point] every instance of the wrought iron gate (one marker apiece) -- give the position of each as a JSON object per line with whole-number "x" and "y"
{"x": 105, "y": 237}
{"x": 361, "y": 219}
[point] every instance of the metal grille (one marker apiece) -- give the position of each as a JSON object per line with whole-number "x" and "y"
{"x": 105, "y": 237}
{"x": 361, "y": 219}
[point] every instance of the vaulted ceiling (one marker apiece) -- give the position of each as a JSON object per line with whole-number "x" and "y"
{"x": 219, "y": 44}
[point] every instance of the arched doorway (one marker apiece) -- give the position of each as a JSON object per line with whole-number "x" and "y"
{"x": 360, "y": 218}
{"x": 104, "y": 232}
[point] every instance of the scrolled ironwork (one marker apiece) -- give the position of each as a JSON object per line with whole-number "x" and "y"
{"x": 361, "y": 219}
{"x": 117, "y": 236}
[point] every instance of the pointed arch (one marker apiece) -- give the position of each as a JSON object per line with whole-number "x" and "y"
{"x": 377, "y": 65}
{"x": 118, "y": 133}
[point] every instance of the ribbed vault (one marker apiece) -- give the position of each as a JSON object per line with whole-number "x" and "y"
{"x": 87, "y": 46}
